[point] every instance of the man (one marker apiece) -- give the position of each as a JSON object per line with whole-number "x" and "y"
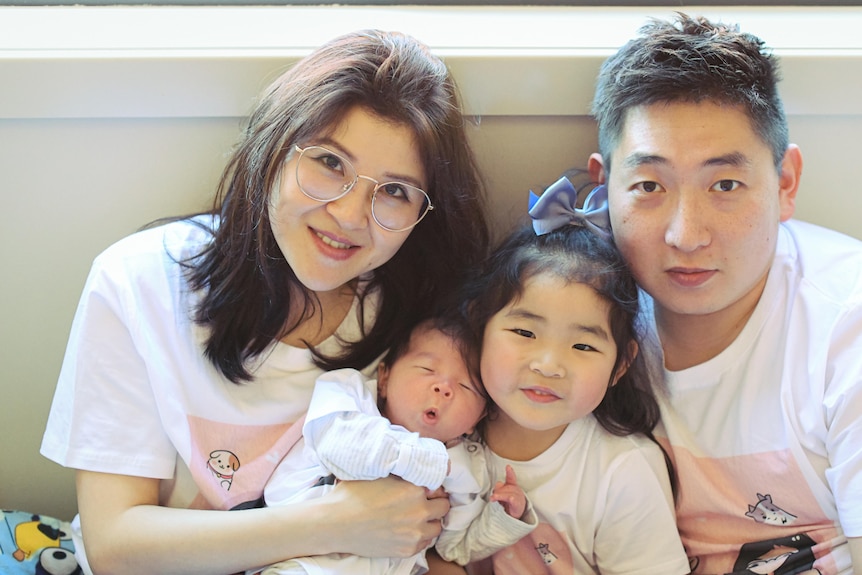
{"x": 759, "y": 316}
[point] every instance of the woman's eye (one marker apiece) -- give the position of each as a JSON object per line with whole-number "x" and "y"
{"x": 330, "y": 162}
{"x": 395, "y": 191}
{"x": 725, "y": 185}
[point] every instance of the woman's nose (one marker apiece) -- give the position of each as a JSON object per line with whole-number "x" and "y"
{"x": 353, "y": 210}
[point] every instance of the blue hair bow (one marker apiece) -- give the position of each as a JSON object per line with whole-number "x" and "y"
{"x": 556, "y": 208}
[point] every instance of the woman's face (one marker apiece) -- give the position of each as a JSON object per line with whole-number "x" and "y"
{"x": 330, "y": 244}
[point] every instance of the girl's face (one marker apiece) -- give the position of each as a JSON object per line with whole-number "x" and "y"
{"x": 547, "y": 357}
{"x": 330, "y": 244}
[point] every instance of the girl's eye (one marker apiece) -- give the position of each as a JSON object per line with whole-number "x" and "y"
{"x": 583, "y": 347}
{"x": 725, "y": 186}
{"x": 648, "y": 187}
{"x": 523, "y": 332}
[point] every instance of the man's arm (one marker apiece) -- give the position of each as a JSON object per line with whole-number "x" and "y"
{"x": 855, "y": 545}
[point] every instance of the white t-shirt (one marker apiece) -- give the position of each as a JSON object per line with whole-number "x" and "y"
{"x": 604, "y": 506}
{"x": 137, "y": 397}
{"x": 767, "y": 436}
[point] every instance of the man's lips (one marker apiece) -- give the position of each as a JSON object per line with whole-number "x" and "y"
{"x": 690, "y": 277}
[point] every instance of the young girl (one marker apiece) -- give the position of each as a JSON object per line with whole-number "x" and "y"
{"x": 557, "y": 309}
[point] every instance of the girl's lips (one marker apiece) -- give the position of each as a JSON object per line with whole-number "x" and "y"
{"x": 540, "y": 394}
{"x": 690, "y": 277}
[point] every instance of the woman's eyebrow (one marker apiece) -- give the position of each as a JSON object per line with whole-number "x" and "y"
{"x": 328, "y": 142}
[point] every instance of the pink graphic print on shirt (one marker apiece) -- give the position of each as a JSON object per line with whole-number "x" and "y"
{"x": 544, "y": 550}
{"x": 751, "y": 514}
{"x": 231, "y": 463}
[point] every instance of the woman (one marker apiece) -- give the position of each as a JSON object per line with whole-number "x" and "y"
{"x": 350, "y": 208}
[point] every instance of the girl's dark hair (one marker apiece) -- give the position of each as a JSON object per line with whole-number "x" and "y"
{"x": 248, "y": 288}
{"x": 576, "y": 254}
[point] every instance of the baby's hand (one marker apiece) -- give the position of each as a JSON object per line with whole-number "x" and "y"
{"x": 511, "y": 497}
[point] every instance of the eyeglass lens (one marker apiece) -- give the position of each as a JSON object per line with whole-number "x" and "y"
{"x": 326, "y": 176}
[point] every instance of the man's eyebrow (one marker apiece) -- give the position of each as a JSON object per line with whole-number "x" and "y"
{"x": 638, "y": 159}
{"x": 736, "y": 159}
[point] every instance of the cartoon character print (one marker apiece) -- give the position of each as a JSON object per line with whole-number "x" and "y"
{"x": 791, "y": 555}
{"x": 35, "y": 535}
{"x": 36, "y": 544}
{"x": 223, "y": 464}
{"x": 545, "y": 553}
{"x": 765, "y": 511}
{"x": 545, "y": 550}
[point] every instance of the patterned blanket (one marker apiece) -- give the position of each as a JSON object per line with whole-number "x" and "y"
{"x": 36, "y": 544}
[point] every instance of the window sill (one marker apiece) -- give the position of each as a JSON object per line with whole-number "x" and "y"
{"x": 138, "y": 62}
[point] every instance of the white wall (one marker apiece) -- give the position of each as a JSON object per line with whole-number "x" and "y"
{"x": 111, "y": 117}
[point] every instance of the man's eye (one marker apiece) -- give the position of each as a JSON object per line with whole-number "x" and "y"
{"x": 725, "y": 185}
{"x": 648, "y": 187}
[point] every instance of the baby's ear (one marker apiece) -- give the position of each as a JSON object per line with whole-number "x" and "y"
{"x": 382, "y": 380}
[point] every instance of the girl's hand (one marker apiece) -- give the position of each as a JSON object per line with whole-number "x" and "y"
{"x": 388, "y": 517}
{"x": 510, "y": 495}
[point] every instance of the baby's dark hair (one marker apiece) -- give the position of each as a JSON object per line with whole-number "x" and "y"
{"x": 453, "y": 325}
{"x": 574, "y": 254}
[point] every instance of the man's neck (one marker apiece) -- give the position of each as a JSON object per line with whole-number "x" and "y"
{"x": 689, "y": 339}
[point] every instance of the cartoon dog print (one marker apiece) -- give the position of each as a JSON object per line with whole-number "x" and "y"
{"x": 223, "y": 464}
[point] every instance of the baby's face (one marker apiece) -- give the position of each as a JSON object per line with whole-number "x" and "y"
{"x": 429, "y": 389}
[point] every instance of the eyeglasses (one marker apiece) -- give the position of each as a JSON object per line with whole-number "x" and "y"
{"x": 325, "y": 176}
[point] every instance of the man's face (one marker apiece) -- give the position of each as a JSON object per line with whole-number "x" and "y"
{"x": 695, "y": 202}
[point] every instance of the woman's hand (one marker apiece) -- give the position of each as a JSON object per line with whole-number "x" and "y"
{"x": 387, "y": 517}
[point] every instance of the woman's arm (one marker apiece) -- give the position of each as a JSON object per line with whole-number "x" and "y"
{"x": 125, "y": 531}
{"x": 437, "y": 566}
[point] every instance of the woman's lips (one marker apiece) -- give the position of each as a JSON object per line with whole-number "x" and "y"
{"x": 333, "y": 247}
